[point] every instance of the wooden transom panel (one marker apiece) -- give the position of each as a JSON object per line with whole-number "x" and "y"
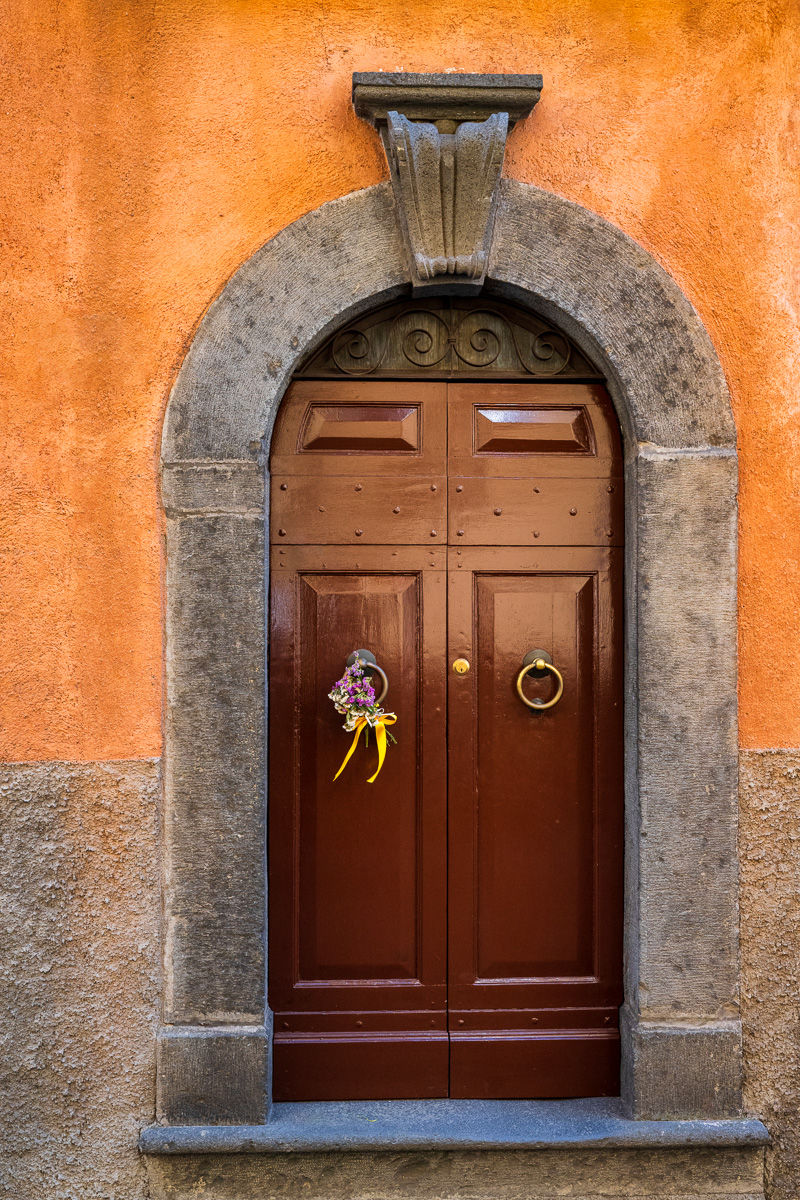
{"x": 356, "y": 428}
{"x": 531, "y": 430}
{"x": 409, "y": 463}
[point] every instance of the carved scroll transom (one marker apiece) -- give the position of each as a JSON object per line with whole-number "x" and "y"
{"x": 446, "y": 337}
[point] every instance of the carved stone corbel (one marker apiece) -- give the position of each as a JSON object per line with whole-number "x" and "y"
{"x": 445, "y": 138}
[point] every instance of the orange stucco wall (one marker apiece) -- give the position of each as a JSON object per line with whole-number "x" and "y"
{"x": 151, "y": 147}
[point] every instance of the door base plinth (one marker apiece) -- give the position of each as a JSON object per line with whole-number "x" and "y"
{"x": 520, "y": 1067}
{"x": 408, "y": 1066}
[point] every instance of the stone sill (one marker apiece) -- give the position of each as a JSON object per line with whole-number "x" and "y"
{"x": 448, "y": 1125}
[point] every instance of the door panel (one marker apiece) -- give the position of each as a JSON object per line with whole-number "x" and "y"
{"x": 336, "y": 510}
{"x": 525, "y": 430}
{"x": 534, "y": 835}
{"x": 519, "y": 1064}
{"x": 343, "y": 935}
{"x": 535, "y": 832}
{"x": 528, "y": 511}
{"x": 369, "y": 428}
{"x": 531, "y": 429}
{"x": 357, "y": 895}
{"x": 352, "y": 427}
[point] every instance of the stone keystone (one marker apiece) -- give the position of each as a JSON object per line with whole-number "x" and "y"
{"x": 445, "y": 138}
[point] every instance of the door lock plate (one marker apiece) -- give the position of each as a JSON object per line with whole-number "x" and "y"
{"x": 461, "y": 666}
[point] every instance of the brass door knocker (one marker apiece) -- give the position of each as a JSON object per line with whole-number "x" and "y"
{"x": 368, "y": 659}
{"x": 540, "y": 662}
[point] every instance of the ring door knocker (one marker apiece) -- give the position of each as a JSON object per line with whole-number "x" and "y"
{"x": 540, "y": 662}
{"x": 368, "y": 658}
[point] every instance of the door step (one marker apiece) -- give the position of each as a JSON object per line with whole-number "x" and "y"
{"x": 457, "y": 1150}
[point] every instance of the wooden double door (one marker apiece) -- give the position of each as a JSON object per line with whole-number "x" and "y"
{"x": 454, "y": 928}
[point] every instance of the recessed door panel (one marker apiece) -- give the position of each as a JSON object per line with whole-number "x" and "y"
{"x": 357, "y": 880}
{"x": 531, "y": 429}
{"x": 363, "y": 429}
{"x": 534, "y": 778}
{"x": 370, "y": 831}
{"x": 535, "y": 832}
{"x": 525, "y": 430}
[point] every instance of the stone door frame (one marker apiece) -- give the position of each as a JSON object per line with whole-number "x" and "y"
{"x": 681, "y": 1036}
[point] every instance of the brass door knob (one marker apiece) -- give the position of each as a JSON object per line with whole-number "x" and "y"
{"x": 461, "y": 666}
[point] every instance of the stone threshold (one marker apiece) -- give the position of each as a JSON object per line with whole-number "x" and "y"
{"x": 448, "y": 1125}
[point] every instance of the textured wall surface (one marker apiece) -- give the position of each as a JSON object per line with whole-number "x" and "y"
{"x": 79, "y": 975}
{"x": 152, "y": 148}
{"x": 769, "y": 841}
{"x": 156, "y": 147}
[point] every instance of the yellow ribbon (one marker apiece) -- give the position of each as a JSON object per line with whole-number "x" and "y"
{"x": 380, "y": 737}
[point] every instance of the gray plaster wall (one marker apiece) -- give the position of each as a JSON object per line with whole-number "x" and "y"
{"x": 79, "y": 977}
{"x": 769, "y": 792}
{"x": 80, "y": 1003}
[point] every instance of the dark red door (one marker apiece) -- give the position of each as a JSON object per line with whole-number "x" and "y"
{"x": 535, "y": 812}
{"x": 455, "y": 927}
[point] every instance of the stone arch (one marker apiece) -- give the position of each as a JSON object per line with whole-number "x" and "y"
{"x": 347, "y": 256}
{"x": 681, "y": 1036}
